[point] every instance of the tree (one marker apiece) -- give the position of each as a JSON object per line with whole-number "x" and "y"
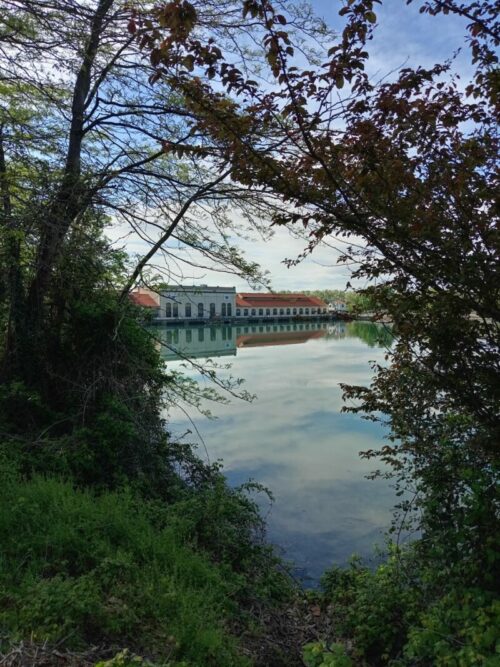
{"x": 403, "y": 171}
{"x": 408, "y": 166}
{"x": 85, "y": 134}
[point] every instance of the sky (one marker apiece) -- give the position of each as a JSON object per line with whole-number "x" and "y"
{"x": 404, "y": 37}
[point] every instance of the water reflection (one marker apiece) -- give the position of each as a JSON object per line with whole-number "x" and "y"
{"x": 294, "y": 438}
{"x": 215, "y": 341}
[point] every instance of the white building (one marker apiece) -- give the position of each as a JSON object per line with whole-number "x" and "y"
{"x": 197, "y": 302}
{"x": 338, "y": 307}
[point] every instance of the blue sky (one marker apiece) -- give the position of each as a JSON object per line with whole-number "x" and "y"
{"x": 404, "y": 37}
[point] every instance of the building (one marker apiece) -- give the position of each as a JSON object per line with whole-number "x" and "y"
{"x": 264, "y": 305}
{"x": 146, "y": 298}
{"x": 338, "y": 307}
{"x": 197, "y": 302}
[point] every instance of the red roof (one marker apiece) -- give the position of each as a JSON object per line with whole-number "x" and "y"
{"x": 268, "y": 300}
{"x": 143, "y": 300}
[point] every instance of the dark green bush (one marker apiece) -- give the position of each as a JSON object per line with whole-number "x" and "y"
{"x": 82, "y": 569}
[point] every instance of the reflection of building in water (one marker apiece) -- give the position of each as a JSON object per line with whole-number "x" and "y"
{"x": 279, "y": 334}
{"x": 193, "y": 342}
{"x": 223, "y": 340}
{"x": 337, "y": 329}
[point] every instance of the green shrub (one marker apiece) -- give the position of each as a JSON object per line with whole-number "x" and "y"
{"x": 82, "y": 569}
{"x": 460, "y": 630}
{"x": 318, "y": 654}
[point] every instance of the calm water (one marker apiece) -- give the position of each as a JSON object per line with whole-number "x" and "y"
{"x": 293, "y": 437}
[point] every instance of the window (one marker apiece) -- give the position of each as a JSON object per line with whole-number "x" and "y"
{"x": 168, "y": 310}
{"x": 175, "y": 309}
{"x": 313, "y": 311}
{"x": 301, "y": 311}
{"x": 189, "y": 336}
{"x": 288, "y": 311}
{"x": 307, "y": 311}
{"x": 222, "y": 310}
{"x": 229, "y": 310}
{"x": 188, "y": 310}
{"x": 282, "y": 311}
{"x": 268, "y": 311}
{"x": 238, "y": 312}
{"x": 200, "y": 310}
{"x": 261, "y": 311}
{"x": 254, "y": 312}
{"x": 294, "y": 312}
{"x": 275, "y": 311}
{"x": 245, "y": 311}
{"x": 212, "y": 310}
{"x": 201, "y": 335}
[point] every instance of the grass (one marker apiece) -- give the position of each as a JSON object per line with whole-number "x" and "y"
{"x": 80, "y": 569}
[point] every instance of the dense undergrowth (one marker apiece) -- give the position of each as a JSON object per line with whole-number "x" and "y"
{"x": 112, "y": 534}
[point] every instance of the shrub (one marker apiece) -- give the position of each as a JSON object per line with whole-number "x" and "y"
{"x": 77, "y": 568}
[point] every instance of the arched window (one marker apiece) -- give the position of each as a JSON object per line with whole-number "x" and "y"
{"x": 188, "y": 310}
{"x": 282, "y": 311}
{"x": 268, "y": 311}
{"x": 301, "y": 311}
{"x": 212, "y": 310}
{"x": 275, "y": 311}
{"x": 254, "y": 312}
{"x": 307, "y": 311}
{"x": 288, "y": 311}
{"x": 245, "y": 311}
{"x": 238, "y": 312}
{"x": 313, "y": 311}
{"x": 175, "y": 310}
{"x": 261, "y": 311}
{"x": 294, "y": 311}
{"x": 168, "y": 309}
{"x": 229, "y": 310}
{"x": 200, "y": 310}
{"x": 223, "y": 310}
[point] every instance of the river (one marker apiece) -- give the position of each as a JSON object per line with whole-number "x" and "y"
{"x": 293, "y": 437}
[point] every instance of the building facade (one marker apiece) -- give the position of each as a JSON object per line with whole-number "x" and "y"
{"x": 197, "y": 302}
{"x": 338, "y": 307}
{"x": 261, "y": 305}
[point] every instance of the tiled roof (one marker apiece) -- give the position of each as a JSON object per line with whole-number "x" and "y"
{"x": 143, "y": 300}
{"x": 268, "y": 300}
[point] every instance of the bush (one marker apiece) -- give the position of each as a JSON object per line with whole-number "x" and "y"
{"x": 82, "y": 569}
{"x": 393, "y": 616}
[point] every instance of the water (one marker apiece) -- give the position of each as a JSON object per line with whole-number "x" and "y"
{"x": 293, "y": 438}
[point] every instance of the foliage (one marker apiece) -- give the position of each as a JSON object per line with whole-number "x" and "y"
{"x": 79, "y": 568}
{"x": 318, "y": 654}
{"x": 403, "y": 172}
{"x": 397, "y": 614}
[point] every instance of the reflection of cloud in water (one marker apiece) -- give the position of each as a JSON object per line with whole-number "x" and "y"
{"x": 294, "y": 440}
